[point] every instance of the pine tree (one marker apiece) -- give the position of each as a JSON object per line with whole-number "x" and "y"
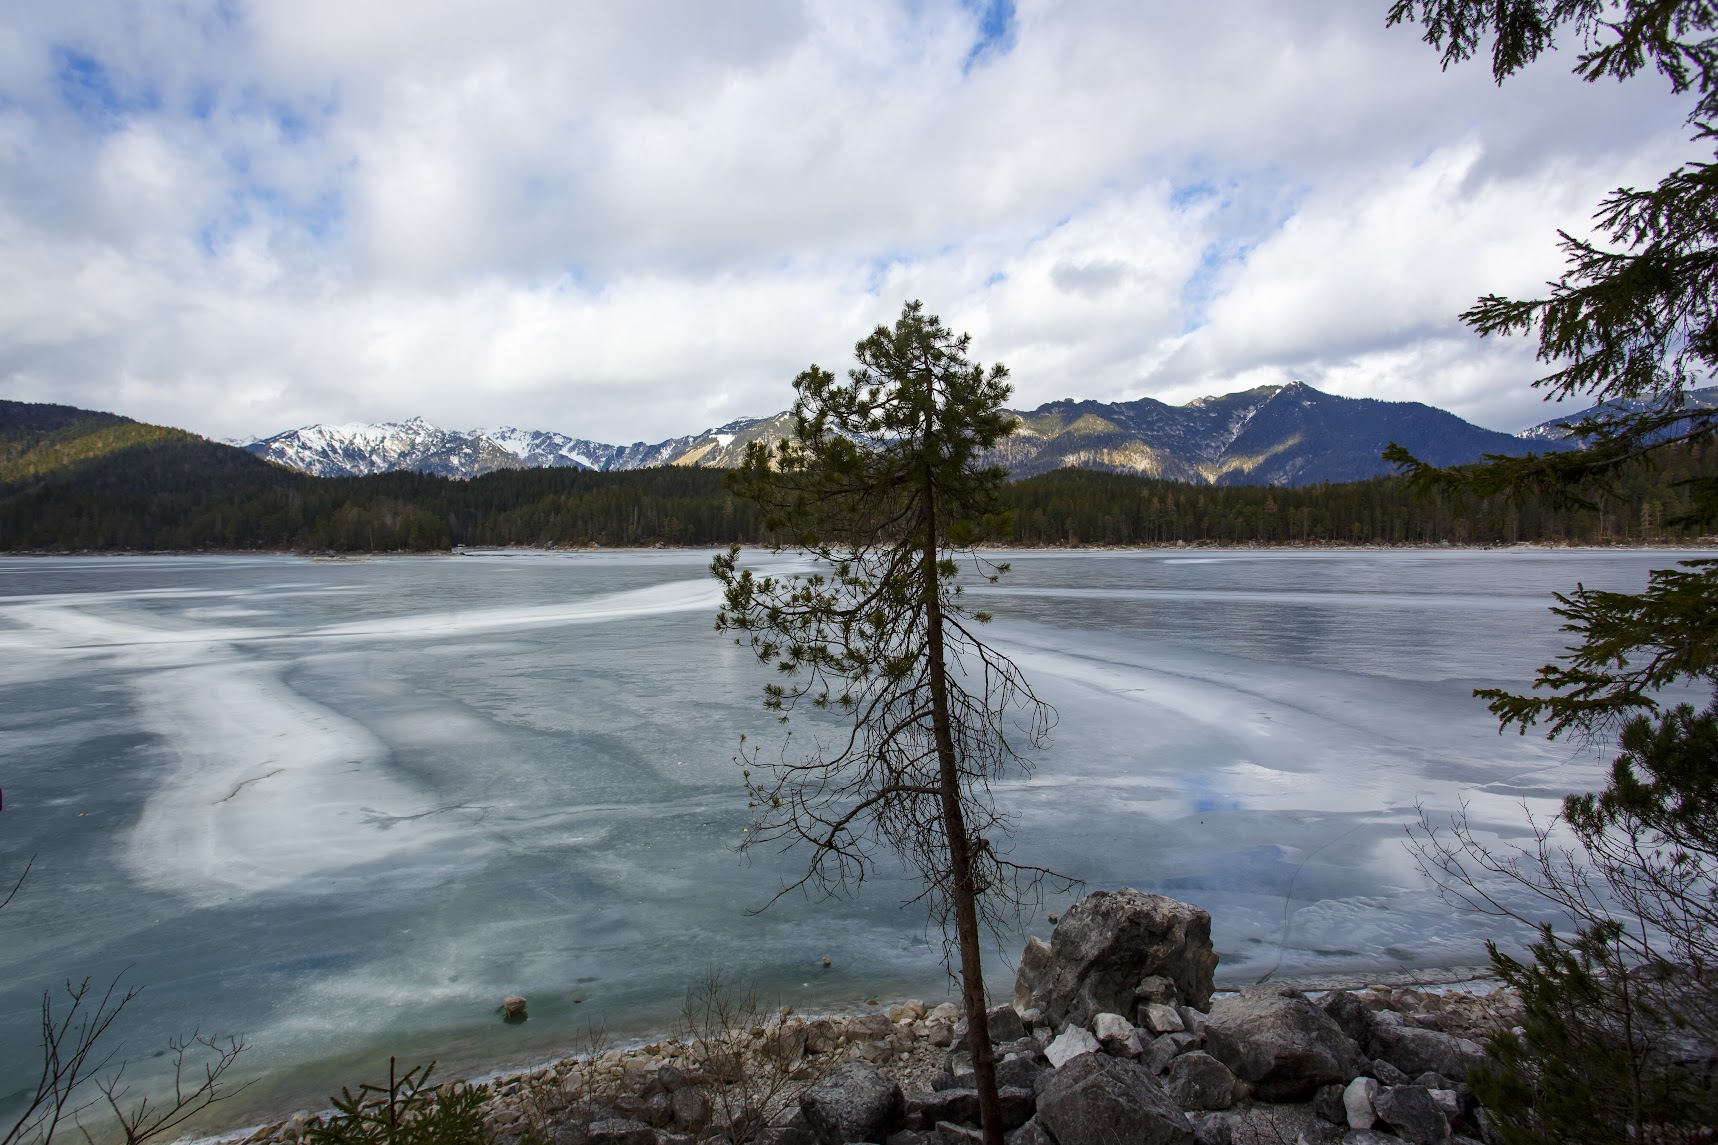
{"x": 882, "y": 485}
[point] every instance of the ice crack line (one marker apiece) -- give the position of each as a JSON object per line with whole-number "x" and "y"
{"x": 246, "y": 784}
{"x": 384, "y": 820}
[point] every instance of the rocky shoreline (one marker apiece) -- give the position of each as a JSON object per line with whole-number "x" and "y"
{"x": 1116, "y": 1034}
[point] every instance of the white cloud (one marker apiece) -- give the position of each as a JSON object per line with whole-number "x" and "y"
{"x": 631, "y": 221}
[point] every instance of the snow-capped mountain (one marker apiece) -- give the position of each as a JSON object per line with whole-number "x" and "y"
{"x": 1273, "y": 435}
{"x": 1555, "y": 430}
{"x": 357, "y": 449}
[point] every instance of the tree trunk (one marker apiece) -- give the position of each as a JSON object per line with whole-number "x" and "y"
{"x": 961, "y": 890}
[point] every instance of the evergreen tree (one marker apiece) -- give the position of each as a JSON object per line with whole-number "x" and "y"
{"x": 881, "y": 484}
{"x": 1621, "y": 1008}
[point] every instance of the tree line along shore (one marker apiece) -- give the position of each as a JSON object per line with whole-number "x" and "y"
{"x": 181, "y": 493}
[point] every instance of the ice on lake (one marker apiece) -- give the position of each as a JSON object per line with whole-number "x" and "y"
{"x": 344, "y": 807}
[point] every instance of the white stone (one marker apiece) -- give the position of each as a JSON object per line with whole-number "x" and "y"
{"x": 947, "y": 1012}
{"x": 1111, "y": 1027}
{"x": 1070, "y": 1044}
{"x": 1161, "y": 1019}
{"x": 1450, "y": 1102}
{"x": 1357, "y": 1100}
{"x": 1117, "y": 1035}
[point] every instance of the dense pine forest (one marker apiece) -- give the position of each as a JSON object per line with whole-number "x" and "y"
{"x": 72, "y": 480}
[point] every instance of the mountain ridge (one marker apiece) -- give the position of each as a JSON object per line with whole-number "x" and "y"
{"x": 1288, "y": 434}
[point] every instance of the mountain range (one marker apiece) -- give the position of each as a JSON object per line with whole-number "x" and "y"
{"x": 1272, "y": 435}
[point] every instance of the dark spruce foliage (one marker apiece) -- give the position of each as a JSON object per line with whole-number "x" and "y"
{"x": 408, "y": 1110}
{"x": 1618, "y": 1045}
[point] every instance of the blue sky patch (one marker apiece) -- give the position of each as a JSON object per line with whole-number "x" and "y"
{"x": 88, "y": 88}
{"x": 995, "y": 30}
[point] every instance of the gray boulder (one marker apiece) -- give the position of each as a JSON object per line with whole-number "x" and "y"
{"x": 1104, "y": 949}
{"x": 1388, "y": 1074}
{"x": 690, "y": 1108}
{"x": 869, "y": 1027}
{"x": 1003, "y": 1022}
{"x": 1096, "y": 1097}
{"x": 1030, "y": 1133}
{"x": 621, "y": 1131}
{"x": 1019, "y": 1070}
{"x": 960, "y": 1106}
{"x": 1199, "y": 1081}
{"x": 1349, "y": 1012}
{"x": 1280, "y": 1044}
{"x": 1413, "y": 1113}
{"x": 1162, "y": 1050}
{"x": 1369, "y": 1137}
{"x": 1415, "y": 1051}
{"x": 853, "y": 1102}
{"x": 1327, "y": 1104}
{"x": 957, "y": 1105}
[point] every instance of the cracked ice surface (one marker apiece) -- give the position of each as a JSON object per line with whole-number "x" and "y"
{"x": 344, "y": 807}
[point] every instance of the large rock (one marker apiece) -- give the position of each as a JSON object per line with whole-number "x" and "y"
{"x": 1198, "y": 1081}
{"x": 957, "y": 1105}
{"x": 1413, "y": 1113}
{"x": 1279, "y": 1043}
{"x": 1415, "y": 1051}
{"x": 1099, "y": 1098}
{"x": 1349, "y": 1012}
{"x": 1104, "y": 949}
{"x": 853, "y": 1102}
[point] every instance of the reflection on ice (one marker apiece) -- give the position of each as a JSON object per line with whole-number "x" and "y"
{"x": 345, "y": 807}
{"x": 267, "y": 791}
{"x": 680, "y": 596}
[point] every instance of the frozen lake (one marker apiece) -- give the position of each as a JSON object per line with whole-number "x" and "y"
{"x": 344, "y": 807}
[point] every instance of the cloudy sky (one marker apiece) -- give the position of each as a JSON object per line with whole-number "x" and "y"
{"x": 632, "y": 220}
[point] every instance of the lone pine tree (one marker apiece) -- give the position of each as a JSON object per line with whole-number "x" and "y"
{"x": 883, "y": 485}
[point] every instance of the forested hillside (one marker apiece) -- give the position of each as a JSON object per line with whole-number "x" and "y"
{"x": 74, "y": 480}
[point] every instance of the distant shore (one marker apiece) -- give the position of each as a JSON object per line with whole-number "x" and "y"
{"x": 1696, "y": 543}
